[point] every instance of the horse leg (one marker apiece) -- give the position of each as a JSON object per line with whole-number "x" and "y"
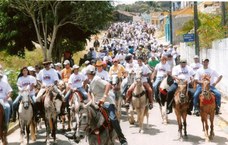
{"x": 212, "y": 134}
{"x": 206, "y": 130}
{"x": 27, "y": 133}
{"x": 131, "y": 117}
{"x": 21, "y": 133}
{"x": 185, "y": 123}
{"x": 179, "y": 125}
{"x": 32, "y": 128}
{"x": 69, "y": 120}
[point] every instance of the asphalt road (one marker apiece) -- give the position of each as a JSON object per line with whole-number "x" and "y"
{"x": 156, "y": 134}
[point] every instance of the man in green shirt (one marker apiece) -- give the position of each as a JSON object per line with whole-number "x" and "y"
{"x": 153, "y": 61}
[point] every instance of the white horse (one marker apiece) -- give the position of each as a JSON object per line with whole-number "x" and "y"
{"x": 26, "y": 116}
{"x": 139, "y": 103}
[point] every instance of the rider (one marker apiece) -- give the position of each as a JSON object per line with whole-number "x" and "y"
{"x": 76, "y": 82}
{"x": 161, "y": 70}
{"x": 145, "y": 75}
{"x": 5, "y": 95}
{"x": 184, "y": 72}
{"x": 215, "y": 79}
{"x": 24, "y": 80}
{"x": 100, "y": 90}
{"x": 103, "y": 74}
{"x": 196, "y": 64}
{"x": 116, "y": 69}
{"x": 47, "y": 77}
{"x": 66, "y": 72}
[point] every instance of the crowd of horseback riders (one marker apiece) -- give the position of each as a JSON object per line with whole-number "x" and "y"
{"x": 126, "y": 48}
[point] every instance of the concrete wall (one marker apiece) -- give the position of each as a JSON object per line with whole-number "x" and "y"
{"x": 218, "y": 56}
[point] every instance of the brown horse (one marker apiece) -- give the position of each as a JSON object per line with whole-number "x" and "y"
{"x": 3, "y": 128}
{"x": 207, "y": 107}
{"x": 181, "y": 106}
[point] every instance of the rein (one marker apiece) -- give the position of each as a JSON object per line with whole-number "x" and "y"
{"x": 139, "y": 95}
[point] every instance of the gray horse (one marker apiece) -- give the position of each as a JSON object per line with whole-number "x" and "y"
{"x": 26, "y": 116}
{"x": 93, "y": 124}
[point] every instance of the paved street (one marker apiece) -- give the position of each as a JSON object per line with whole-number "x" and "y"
{"x": 156, "y": 134}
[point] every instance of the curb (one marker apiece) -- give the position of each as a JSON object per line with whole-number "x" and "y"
{"x": 13, "y": 128}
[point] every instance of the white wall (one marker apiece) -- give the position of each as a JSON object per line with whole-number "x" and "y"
{"x": 218, "y": 56}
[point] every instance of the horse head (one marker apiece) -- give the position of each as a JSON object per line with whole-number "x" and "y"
{"x": 206, "y": 86}
{"x": 138, "y": 77}
{"x": 25, "y": 100}
{"x": 90, "y": 120}
{"x": 114, "y": 80}
{"x": 182, "y": 91}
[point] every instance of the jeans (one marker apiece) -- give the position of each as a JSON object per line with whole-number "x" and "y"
{"x": 155, "y": 86}
{"x": 212, "y": 89}
{"x": 111, "y": 110}
{"x": 16, "y": 101}
{"x": 6, "y": 107}
{"x": 81, "y": 90}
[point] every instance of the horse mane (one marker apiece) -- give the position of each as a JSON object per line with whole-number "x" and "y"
{"x": 206, "y": 77}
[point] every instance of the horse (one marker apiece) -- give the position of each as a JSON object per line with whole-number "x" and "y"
{"x": 93, "y": 124}
{"x": 116, "y": 84}
{"x": 162, "y": 97}
{"x": 181, "y": 105}
{"x": 74, "y": 104}
{"x": 26, "y": 119}
{"x": 139, "y": 103}
{"x": 207, "y": 108}
{"x": 3, "y": 127}
{"x": 50, "y": 113}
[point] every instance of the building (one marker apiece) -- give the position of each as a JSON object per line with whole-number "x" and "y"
{"x": 122, "y": 16}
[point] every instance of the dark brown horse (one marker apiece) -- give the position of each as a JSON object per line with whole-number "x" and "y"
{"x": 181, "y": 106}
{"x": 3, "y": 127}
{"x": 207, "y": 107}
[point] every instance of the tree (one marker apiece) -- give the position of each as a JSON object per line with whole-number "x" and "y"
{"x": 209, "y": 29}
{"x": 14, "y": 33}
{"x": 49, "y": 17}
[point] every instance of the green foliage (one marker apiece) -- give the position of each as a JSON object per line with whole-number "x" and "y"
{"x": 79, "y": 20}
{"x": 12, "y": 78}
{"x": 209, "y": 30}
{"x": 144, "y": 6}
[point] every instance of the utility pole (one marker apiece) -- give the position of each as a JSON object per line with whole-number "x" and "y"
{"x": 171, "y": 23}
{"x": 223, "y": 7}
{"x": 196, "y": 25}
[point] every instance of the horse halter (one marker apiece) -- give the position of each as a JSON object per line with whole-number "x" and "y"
{"x": 206, "y": 89}
{"x": 183, "y": 92}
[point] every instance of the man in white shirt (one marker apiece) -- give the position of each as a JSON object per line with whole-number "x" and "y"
{"x": 215, "y": 79}
{"x": 161, "y": 70}
{"x": 47, "y": 77}
{"x": 196, "y": 64}
{"x": 101, "y": 72}
{"x": 5, "y": 94}
{"x": 183, "y": 72}
{"x": 76, "y": 83}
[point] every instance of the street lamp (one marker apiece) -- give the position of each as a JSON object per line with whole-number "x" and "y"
{"x": 196, "y": 25}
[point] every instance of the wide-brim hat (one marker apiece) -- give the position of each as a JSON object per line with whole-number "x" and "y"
{"x": 47, "y": 62}
{"x": 99, "y": 63}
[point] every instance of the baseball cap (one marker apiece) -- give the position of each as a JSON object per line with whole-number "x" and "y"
{"x": 75, "y": 66}
{"x": 90, "y": 70}
{"x": 206, "y": 59}
{"x": 58, "y": 64}
{"x": 196, "y": 56}
{"x": 183, "y": 60}
{"x": 30, "y": 68}
{"x": 87, "y": 62}
{"x": 66, "y": 62}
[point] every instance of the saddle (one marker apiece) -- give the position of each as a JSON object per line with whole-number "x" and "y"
{"x": 79, "y": 94}
{"x": 207, "y": 102}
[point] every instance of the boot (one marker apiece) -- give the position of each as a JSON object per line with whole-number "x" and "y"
{"x": 116, "y": 126}
{"x": 196, "y": 111}
{"x": 37, "y": 108}
{"x": 14, "y": 116}
{"x": 217, "y": 111}
{"x": 169, "y": 104}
